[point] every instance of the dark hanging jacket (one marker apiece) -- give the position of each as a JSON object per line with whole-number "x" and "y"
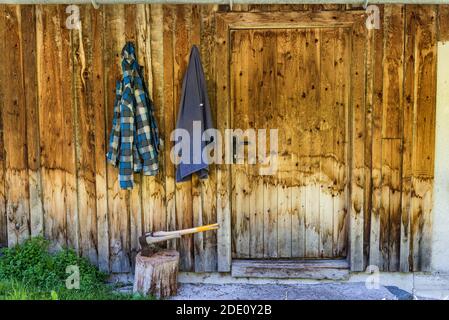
{"x": 194, "y": 106}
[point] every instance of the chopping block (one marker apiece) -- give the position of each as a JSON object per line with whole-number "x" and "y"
{"x": 157, "y": 274}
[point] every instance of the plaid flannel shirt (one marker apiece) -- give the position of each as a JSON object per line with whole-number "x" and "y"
{"x": 134, "y": 141}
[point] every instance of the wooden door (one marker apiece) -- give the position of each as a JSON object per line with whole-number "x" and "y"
{"x": 304, "y": 74}
{"x": 295, "y": 80}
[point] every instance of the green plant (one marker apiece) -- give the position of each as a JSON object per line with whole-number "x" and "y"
{"x": 30, "y": 271}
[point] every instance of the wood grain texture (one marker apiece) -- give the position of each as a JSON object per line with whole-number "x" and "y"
{"x": 183, "y": 191}
{"x": 357, "y": 206}
{"x": 209, "y": 186}
{"x": 376, "y": 136}
{"x": 3, "y": 217}
{"x": 52, "y": 125}
{"x": 99, "y": 102}
{"x": 443, "y": 22}
{"x": 376, "y": 144}
{"x": 118, "y": 200}
{"x": 14, "y": 126}
{"x": 424, "y": 136}
{"x": 298, "y": 200}
{"x": 223, "y": 172}
{"x": 28, "y": 30}
{"x": 85, "y": 135}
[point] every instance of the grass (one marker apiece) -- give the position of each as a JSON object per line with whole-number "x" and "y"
{"x": 30, "y": 272}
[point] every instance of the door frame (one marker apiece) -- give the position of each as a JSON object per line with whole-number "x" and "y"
{"x": 360, "y": 40}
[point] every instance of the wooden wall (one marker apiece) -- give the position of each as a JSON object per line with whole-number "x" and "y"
{"x": 56, "y": 96}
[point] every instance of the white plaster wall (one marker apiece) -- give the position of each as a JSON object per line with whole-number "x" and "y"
{"x": 440, "y": 229}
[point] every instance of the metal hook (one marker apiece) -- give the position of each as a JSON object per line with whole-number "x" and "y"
{"x": 95, "y": 4}
{"x": 365, "y": 4}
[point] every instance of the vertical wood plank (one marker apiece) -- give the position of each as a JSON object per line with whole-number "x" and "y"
{"x": 256, "y": 199}
{"x": 64, "y": 40}
{"x": 99, "y": 103}
{"x": 169, "y": 117}
{"x": 85, "y": 135}
{"x": 301, "y": 139}
{"x": 358, "y": 147}
{"x": 197, "y": 201}
{"x": 376, "y": 162}
{"x": 118, "y": 200}
{"x": 183, "y": 191}
{"x": 393, "y": 71}
{"x": 28, "y": 32}
{"x": 14, "y": 126}
{"x": 443, "y": 22}
{"x": 423, "y": 148}
{"x": 132, "y": 18}
{"x": 3, "y": 217}
{"x": 208, "y": 186}
{"x": 285, "y": 92}
{"x": 270, "y": 192}
{"x": 156, "y": 80}
{"x": 328, "y": 122}
{"x": 240, "y": 215}
{"x": 223, "y": 174}
{"x": 341, "y": 142}
{"x": 312, "y": 59}
{"x": 51, "y": 125}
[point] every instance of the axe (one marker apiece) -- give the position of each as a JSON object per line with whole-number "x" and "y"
{"x": 148, "y": 240}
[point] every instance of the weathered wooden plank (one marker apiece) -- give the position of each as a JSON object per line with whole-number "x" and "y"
{"x": 301, "y": 139}
{"x": 386, "y": 175}
{"x": 256, "y": 244}
{"x": 200, "y": 258}
{"x": 285, "y": 82}
{"x": 28, "y": 33}
{"x": 64, "y": 42}
{"x": 169, "y": 116}
{"x": 183, "y": 191}
{"x": 391, "y": 128}
{"x": 328, "y": 122}
{"x": 118, "y": 200}
{"x": 423, "y": 148}
{"x": 100, "y": 137}
{"x": 223, "y": 172}
{"x": 132, "y": 23}
{"x": 304, "y": 269}
{"x": 296, "y": 113}
{"x": 395, "y": 206}
{"x": 369, "y": 88}
{"x": 356, "y": 210}
{"x": 56, "y": 129}
{"x": 144, "y": 54}
{"x": 208, "y": 186}
{"x": 14, "y": 126}
{"x": 3, "y": 217}
{"x": 393, "y": 71}
{"x": 376, "y": 161}
{"x": 85, "y": 135}
{"x": 240, "y": 100}
{"x": 311, "y": 77}
{"x": 341, "y": 143}
{"x": 52, "y": 125}
{"x": 270, "y": 192}
{"x": 443, "y": 22}
{"x": 156, "y": 81}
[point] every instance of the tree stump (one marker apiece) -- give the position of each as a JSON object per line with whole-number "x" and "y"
{"x": 157, "y": 275}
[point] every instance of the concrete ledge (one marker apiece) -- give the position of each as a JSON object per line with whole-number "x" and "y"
{"x": 421, "y": 285}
